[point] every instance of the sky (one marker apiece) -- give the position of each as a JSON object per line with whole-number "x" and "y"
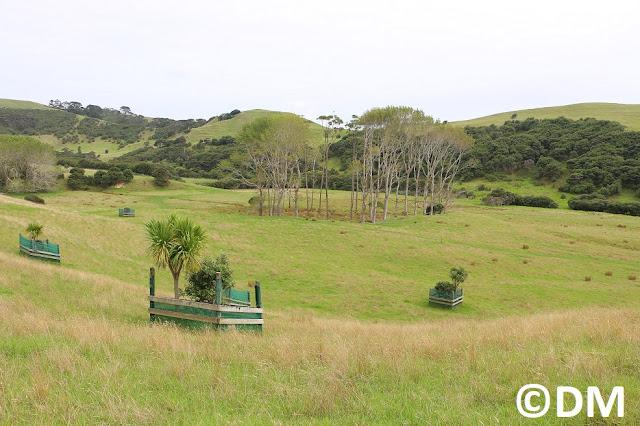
{"x": 453, "y": 59}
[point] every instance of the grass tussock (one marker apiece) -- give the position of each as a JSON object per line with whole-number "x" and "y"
{"x": 608, "y": 273}
{"x": 587, "y": 278}
{"x": 525, "y": 246}
{"x": 632, "y": 277}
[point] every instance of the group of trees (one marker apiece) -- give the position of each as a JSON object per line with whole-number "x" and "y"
{"x": 26, "y": 164}
{"x": 393, "y": 149}
{"x": 401, "y": 148}
{"x": 78, "y": 180}
{"x": 277, "y": 156}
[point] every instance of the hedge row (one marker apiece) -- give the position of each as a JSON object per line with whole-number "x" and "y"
{"x": 505, "y": 198}
{"x": 598, "y": 203}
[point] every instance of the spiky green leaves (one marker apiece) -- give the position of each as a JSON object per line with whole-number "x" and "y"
{"x": 175, "y": 243}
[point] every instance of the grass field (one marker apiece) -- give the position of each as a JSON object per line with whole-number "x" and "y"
{"x": 349, "y": 336}
{"x": 628, "y": 115}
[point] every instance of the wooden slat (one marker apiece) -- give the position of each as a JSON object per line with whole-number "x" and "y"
{"x": 36, "y": 253}
{"x": 206, "y": 306}
{"x": 240, "y": 321}
{"x": 182, "y": 315}
{"x": 213, "y": 320}
{"x": 241, "y": 302}
{"x": 445, "y": 300}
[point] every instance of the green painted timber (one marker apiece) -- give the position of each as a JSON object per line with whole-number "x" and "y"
{"x": 219, "y": 316}
{"x": 445, "y": 299}
{"x": 40, "y": 249}
{"x": 126, "y": 212}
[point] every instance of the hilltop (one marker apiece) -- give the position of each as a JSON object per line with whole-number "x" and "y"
{"x": 17, "y": 104}
{"x": 626, "y": 114}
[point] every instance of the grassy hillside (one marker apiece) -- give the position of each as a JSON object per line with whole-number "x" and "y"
{"x": 349, "y": 337}
{"x": 11, "y": 103}
{"x": 628, "y": 115}
{"x": 232, "y": 127}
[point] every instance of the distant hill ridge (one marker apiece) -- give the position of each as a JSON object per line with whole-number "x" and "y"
{"x": 626, "y": 114}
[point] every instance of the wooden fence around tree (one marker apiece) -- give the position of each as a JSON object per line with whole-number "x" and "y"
{"x": 40, "y": 249}
{"x": 231, "y": 308}
{"x": 126, "y": 212}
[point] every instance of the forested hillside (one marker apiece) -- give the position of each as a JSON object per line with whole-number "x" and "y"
{"x": 597, "y": 155}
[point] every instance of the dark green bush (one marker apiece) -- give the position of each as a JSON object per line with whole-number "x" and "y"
{"x": 34, "y": 199}
{"x": 505, "y": 198}
{"x": 444, "y": 286}
{"x": 201, "y": 285}
{"x": 78, "y": 180}
{"x": 599, "y": 203}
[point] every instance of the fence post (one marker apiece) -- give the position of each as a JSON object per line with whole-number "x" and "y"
{"x": 218, "y": 288}
{"x": 258, "y": 295}
{"x": 152, "y": 291}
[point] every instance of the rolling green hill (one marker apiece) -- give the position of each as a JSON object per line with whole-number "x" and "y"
{"x": 16, "y": 104}
{"x": 217, "y": 129}
{"x": 625, "y": 114}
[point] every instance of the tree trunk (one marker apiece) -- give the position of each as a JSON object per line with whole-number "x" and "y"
{"x": 176, "y": 289}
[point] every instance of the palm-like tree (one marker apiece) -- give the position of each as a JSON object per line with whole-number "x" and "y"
{"x": 34, "y": 230}
{"x": 175, "y": 243}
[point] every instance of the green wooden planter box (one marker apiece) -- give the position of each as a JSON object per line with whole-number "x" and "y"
{"x": 126, "y": 212}
{"x": 445, "y": 299}
{"x": 232, "y": 309}
{"x": 40, "y": 249}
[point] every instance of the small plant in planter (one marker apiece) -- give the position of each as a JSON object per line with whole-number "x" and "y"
{"x": 449, "y": 294}
{"x": 34, "y": 230}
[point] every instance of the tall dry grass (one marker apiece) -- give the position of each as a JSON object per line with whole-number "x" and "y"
{"x": 306, "y": 368}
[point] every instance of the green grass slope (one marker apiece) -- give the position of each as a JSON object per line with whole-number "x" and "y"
{"x": 232, "y": 127}
{"x": 16, "y": 104}
{"x": 627, "y": 115}
{"x": 348, "y": 338}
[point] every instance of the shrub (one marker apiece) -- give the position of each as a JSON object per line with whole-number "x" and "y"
{"x": 483, "y": 187}
{"x": 501, "y": 197}
{"x": 444, "y": 286}
{"x": 202, "y": 284}
{"x": 78, "y": 180}
{"x": 34, "y": 199}
{"x": 161, "y": 177}
{"x": 458, "y": 275}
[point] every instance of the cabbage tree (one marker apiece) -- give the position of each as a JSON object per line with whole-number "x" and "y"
{"x": 175, "y": 243}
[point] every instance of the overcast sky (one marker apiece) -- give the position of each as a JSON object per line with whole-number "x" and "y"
{"x": 195, "y": 59}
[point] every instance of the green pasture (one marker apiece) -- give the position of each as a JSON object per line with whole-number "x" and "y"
{"x": 349, "y": 337}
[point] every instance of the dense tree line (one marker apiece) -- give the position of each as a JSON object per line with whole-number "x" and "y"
{"x": 78, "y": 180}
{"x": 599, "y": 203}
{"x": 200, "y": 160}
{"x": 598, "y": 155}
